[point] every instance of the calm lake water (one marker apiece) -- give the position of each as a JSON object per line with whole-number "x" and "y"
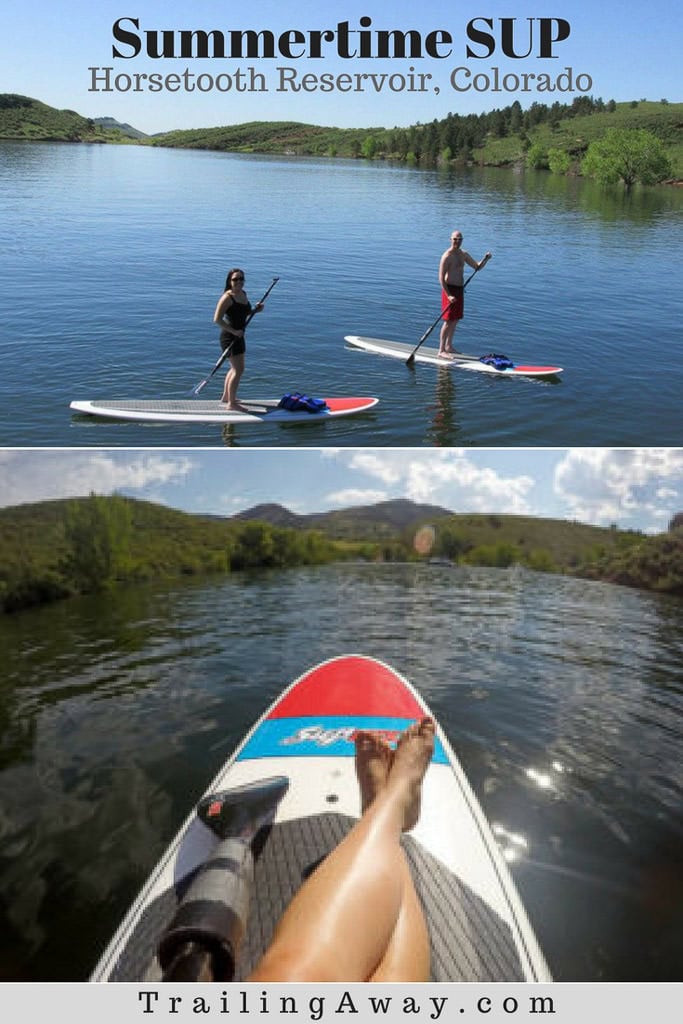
{"x": 563, "y": 699}
{"x": 112, "y": 260}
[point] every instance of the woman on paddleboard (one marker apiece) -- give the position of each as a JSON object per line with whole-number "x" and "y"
{"x": 233, "y": 311}
{"x": 451, "y": 279}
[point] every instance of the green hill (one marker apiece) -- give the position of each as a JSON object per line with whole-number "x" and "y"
{"x": 287, "y": 138}
{"x": 500, "y": 137}
{"x": 384, "y": 520}
{"x": 53, "y": 549}
{"x": 568, "y": 545}
{"x": 23, "y": 118}
{"x": 111, "y": 124}
{"x": 573, "y": 135}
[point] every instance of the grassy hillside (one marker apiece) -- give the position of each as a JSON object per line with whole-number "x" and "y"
{"x": 569, "y": 544}
{"x": 279, "y": 137}
{"x": 500, "y": 137}
{"x": 53, "y": 549}
{"x": 23, "y": 118}
{"x": 111, "y": 124}
{"x": 574, "y": 135}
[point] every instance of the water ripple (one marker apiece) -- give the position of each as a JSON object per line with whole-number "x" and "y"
{"x": 563, "y": 699}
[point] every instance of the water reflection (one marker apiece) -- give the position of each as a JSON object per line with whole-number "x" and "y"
{"x": 445, "y": 430}
{"x": 562, "y": 698}
{"x": 569, "y": 192}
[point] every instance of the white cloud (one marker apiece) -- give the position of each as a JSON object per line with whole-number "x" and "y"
{"x": 376, "y": 464}
{"x": 353, "y": 496}
{"x": 37, "y": 476}
{"x": 473, "y": 488}
{"x": 601, "y": 485}
{"x": 450, "y": 478}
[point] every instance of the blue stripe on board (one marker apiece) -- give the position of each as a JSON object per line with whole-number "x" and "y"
{"x": 327, "y": 736}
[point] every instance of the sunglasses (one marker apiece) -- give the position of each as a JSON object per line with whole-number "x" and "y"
{"x": 237, "y": 277}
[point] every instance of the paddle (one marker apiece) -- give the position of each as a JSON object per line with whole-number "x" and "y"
{"x": 202, "y": 940}
{"x": 411, "y": 358}
{"x": 224, "y": 355}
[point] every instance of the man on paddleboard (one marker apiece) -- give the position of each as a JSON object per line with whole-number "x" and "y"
{"x": 452, "y": 283}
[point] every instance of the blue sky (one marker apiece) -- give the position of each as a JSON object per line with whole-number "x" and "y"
{"x": 639, "y": 489}
{"x": 630, "y": 50}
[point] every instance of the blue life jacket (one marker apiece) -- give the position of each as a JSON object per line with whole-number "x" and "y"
{"x": 296, "y": 402}
{"x": 498, "y": 361}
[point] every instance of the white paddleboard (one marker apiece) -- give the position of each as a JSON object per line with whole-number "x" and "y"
{"x": 478, "y": 928}
{"x": 401, "y": 350}
{"x": 195, "y": 410}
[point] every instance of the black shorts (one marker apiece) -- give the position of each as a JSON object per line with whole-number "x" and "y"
{"x": 235, "y": 346}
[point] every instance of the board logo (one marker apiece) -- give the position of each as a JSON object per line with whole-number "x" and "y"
{"x": 321, "y": 736}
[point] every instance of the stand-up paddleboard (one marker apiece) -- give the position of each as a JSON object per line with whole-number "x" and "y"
{"x": 400, "y": 350}
{"x": 201, "y": 411}
{"x": 295, "y": 770}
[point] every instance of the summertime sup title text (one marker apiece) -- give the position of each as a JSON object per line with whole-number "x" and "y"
{"x": 520, "y": 39}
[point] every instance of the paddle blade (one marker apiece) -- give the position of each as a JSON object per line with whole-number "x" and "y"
{"x": 202, "y": 384}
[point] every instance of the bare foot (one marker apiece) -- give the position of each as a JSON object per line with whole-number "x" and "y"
{"x": 409, "y": 765}
{"x": 373, "y": 761}
{"x": 235, "y": 406}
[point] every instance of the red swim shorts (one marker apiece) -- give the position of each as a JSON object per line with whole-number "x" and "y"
{"x": 454, "y": 310}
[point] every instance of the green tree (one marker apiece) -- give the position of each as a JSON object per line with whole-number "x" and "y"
{"x": 537, "y": 156}
{"x": 369, "y": 147}
{"x": 499, "y": 555}
{"x": 676, "y": 522}
{"x": 450, "y": 542}
{"x": 516, "y": 116}
{"x": 97, "y": 532}
{"x": 540, "y": 560}
{"x": 559, "y": 161}
{"x": 628, "y": 155}
{"x": 255, "y": 546}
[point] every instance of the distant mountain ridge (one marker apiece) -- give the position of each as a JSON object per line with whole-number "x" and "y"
{"x": 123, "y": 127}
{"x": 383, "y": 519}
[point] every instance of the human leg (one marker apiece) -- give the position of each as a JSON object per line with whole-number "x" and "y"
{"x": 343, "y": 921}
{"x": 407, "y": 956}
{"x": 446, "y": 337}
{"x": 232, "y": 381}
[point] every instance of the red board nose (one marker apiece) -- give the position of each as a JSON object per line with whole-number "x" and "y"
{"x": 339, "y": 404}
{"x": 351, "y": 685}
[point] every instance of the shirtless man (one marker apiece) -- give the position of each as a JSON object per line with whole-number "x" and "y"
{"x": 451, "y": 279}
